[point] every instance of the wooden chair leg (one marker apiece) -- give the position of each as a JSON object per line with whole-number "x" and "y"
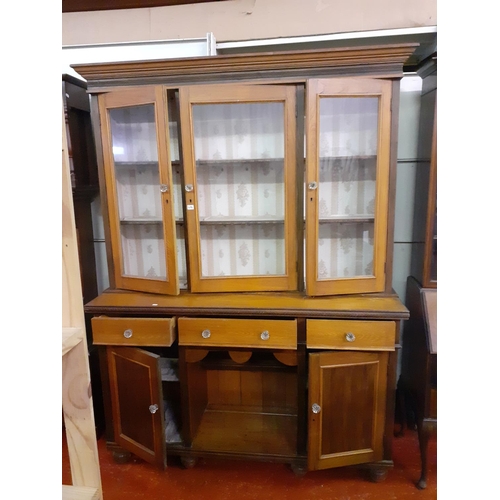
{"x": 423, "y": 440}
{"x": 425, "y": 428}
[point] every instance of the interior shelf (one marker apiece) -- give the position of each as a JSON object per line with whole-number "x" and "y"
{"x": 254, "y": 219}
{"x": 347, "y": 218}
{"x": 136, "y": 163}
{"x": 247, "y": 433}
{"x": 141, "y": 220}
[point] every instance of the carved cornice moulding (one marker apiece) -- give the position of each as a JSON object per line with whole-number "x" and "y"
{"x": 387, "y": 60}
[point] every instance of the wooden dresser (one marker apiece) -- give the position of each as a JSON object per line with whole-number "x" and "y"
{"x": 249, "y": 211}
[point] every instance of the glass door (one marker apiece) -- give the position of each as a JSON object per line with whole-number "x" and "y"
{"x": 347, "y": 179}
{"x": 239, "y": 169}
{"x": 139, "y": 190}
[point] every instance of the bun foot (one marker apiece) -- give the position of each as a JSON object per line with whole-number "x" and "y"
{"x": 378, "y": 474}
{"x": 299, "y": 469}
{"x": 121, "y": 456}
{"x": 188, "y": 462}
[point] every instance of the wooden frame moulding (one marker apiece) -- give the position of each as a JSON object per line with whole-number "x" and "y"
{"x": 137, "y": 97}
{"x": 190, "y": 96}
{"x": 347, "y": 87}
{"x": 378, "y": 60}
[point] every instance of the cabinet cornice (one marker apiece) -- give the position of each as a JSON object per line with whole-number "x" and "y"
{"x": 386, "y": 60}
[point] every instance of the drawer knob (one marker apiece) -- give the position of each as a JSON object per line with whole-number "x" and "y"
{"x": 264, "y": 335}
{"x": 188, "y": 188}
{"x": 153, "y": 409}
{"x": 316, "y": 408}
{"x": 127, "y": 333}
{"x": 350, "y": 337}
{"x": 206, "y": 334}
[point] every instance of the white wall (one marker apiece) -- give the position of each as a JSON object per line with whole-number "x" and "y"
{"x": 246, "y": 20}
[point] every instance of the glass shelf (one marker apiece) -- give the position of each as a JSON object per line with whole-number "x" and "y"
{"x": 136, "y": 164}
{"x": 257, "y": 219}
{"x": 141, "y": 220}
{"x": 347, "y": 219}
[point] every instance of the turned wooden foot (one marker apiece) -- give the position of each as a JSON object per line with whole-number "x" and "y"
{"x": 299, "y": 469}
{"x": 121, "y": 456}
{"x": 188, "y": 462}
{"x": 424, "y": 428}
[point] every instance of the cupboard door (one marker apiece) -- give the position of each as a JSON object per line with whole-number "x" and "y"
{"x": 347, "y": 396}
{"x": 347, "y": 182}
{"x": 137, "y": 403}
{"x": 139, "y": 190}
{"x": 239, "y": 158}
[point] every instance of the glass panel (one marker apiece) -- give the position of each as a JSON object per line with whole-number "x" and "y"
{"x": 135, "y": 154}
{"x": 239, "y": 152}
{"x": 348, "y": 138}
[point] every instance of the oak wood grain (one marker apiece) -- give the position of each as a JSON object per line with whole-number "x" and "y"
{"x": 366, "y": 335}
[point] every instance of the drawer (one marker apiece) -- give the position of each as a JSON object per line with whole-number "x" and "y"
{"x": 252, "y": 333}
{"x": 351, "y": 335}
{"x": 133, "y": 331}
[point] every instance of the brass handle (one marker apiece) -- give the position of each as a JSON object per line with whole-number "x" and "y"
{"x": 264, "y": 335}
{"x": 153, "y": 408}
{"x": 316, "y": 408}
{"x": 206, "y": 334}
{"x": 350, "y": 337}
{"x": 127, "y": 333}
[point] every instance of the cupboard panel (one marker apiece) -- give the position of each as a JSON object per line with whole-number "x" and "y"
{"x": 347, "y": 398}
{"x": 137, "y": 403}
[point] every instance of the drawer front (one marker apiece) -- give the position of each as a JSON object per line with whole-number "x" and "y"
{"x": 351, "y": 335}
{"x": 252, "y": 333}
{"x": 133, "y": 331}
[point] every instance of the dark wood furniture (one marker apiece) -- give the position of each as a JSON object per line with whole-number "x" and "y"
{"x": 84, "y": 187}
{"x": 249, "y": 209}
{"x": 418, "y": 381}
{"x": 419, "y": 364}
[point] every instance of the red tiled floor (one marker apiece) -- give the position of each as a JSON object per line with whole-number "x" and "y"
{"x": 217, "y": 479}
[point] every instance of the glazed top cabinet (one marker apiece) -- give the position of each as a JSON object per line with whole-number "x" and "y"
{"x": 250, "y": 173}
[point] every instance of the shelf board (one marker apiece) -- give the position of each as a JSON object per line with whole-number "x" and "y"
{"x": 136, "y": 163}
{"x": 347, "y": 218}
{"x": 259, "y": 219}
{"x": 240, "y": 161}
{"x": 327, "y": 159}
{"x": 247, "y": 433}
{"x": 71, "y": 337}
{"x": 141, "y": 220}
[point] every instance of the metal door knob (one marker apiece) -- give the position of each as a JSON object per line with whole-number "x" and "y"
{"x": 127, "y": 333}
{"x": 163, "y": 188}
{"x": 153, "y": 408}
{"x": 312, "y": 186}
{"x": 316, "y": 408}
{"x": 188, "y": 188}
